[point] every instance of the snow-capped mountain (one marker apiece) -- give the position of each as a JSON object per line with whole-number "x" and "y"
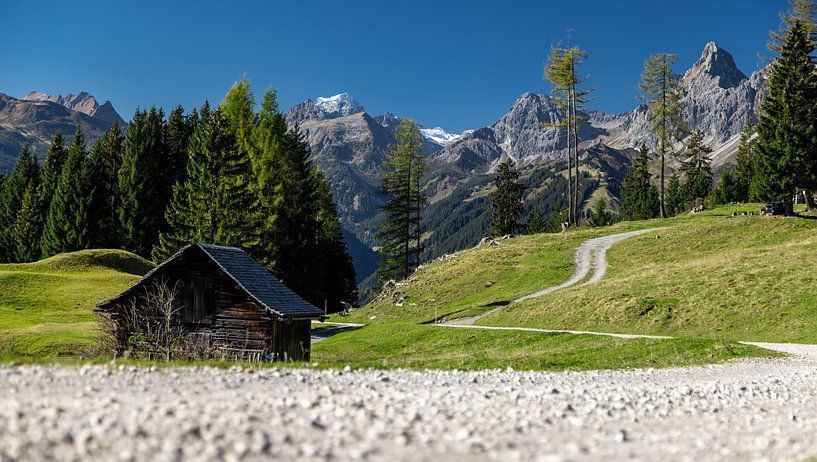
{"x": 439, "y": 136}
{"x": 325, "y": 108}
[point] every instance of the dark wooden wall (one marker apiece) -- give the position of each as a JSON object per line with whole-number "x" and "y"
{"x": 239, "y": 328}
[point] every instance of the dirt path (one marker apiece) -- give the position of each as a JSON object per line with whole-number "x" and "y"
{"x": 592, "y": 253}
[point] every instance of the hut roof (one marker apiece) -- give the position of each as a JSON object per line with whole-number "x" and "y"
{"x": 255, "y": 280}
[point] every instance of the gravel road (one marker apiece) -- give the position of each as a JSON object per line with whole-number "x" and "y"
{"x": 752, "y": 410}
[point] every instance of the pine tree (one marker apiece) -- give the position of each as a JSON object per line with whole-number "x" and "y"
{"x": 661, "y": 89}
{"x": 145, "y": 182}
{"x": 675, "y": 199}
{"x": 600, "y": 216}
{"x": 698, "y": 173}
{"x": 556, "y": 220}
{"x": 745, "y": 164}
{"x": 62, "y": 228}
{"x": 399, "y": 231}
{"x": 506, "y": 200}
{"x": 639, "y": 197}
{"x": 26, "y": 175}
{"x": 786, "y": 151}
{"x": 562, "y": 73}
{"x": 536, "y": 222}
{"x": 98, "y": 213}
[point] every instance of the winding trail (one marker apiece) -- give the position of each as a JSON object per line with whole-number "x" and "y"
{"x": 592, "y": 253}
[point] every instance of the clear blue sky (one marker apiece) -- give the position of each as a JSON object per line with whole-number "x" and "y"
{"x": 458, "y": 65}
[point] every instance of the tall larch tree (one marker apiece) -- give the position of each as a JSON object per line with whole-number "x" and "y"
{"x": 62, "y": 228}
{"x": 398, "y": 233}
{"x": 506, "y": 200}
{"x": 562, "y": 71}
{"x": 661, "y": 89}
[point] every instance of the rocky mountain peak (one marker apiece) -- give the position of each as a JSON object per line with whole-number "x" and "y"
{"x": 325, "y": 108}
{"x": 82, "y": 102}
{"x": 716, "y": 65}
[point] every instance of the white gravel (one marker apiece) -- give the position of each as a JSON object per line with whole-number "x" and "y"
{"x": 752, "y": 410}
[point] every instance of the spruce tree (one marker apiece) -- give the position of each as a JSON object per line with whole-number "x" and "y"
{"x": 698, "y": 173}
{"x": 600, "y": 216}
{"x": 399, "y": 232}
{"x": 98, "y": 214}
{"x": 177, "y": 136}
{"x": 675, "y": 200}
{"x": 25, "y": 176}
{"x": 536, "y": 222}
{"x": 661, "y": 89}
{"x": 729, "y": 189}
{"x": 506, "y": 200}
{"x": 26, "y": 229}
{"x": 745, "y": 163}
{"x": 334, "y": 272}
{"x": 145, "y": 182}
{"x": 49, "y": 179}
{"x": 786, "y": 150}
{"x": 62, "y": 228}
{"x": 639, "y": 197}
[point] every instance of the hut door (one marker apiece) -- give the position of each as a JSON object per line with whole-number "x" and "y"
{"x": 198, "y": 301}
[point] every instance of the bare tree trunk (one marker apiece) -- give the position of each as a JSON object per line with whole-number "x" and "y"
{"x": 574, "y": 118}
{"x": 808, "y": 199}
{"x": 570, "y": 217}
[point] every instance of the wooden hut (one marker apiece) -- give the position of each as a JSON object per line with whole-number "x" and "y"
{"x": 224, "y": 298}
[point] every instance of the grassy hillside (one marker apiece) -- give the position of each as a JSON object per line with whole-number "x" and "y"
{"x": 712, "y": 276}
{"x": 709, "y": 276}
{"x": 46, "y": 308}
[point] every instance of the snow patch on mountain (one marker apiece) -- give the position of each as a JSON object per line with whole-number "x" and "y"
{"x": 439, "y": 136}
{"x": 341, "y": 104}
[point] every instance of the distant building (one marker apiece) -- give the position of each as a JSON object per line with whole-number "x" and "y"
{"x": 225, "y": 299}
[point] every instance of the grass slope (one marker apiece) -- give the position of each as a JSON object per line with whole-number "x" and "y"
{"x": 46, "y": 308}
{"x": 423, "y": 347}
{"x": 711, "y": 276}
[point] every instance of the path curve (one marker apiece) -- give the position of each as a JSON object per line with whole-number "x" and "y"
{"x": 592, "y": 253}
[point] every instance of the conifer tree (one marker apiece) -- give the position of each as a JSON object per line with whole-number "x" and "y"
{"x": 639, "y": 198}
{"x": 745, "y": 164}
{"x": 399, "y": 231}
{"x": 26, "y": 229}
{"x": 267, "y": 158}
{"x": 661, "y": 89}
{"x": 25, "y": 176}
{"x": 786, "y": 150}
{"x": 98, "y": 213}
{"x": 145, "y": 182}
{"x": 506, "y": 200}
{"x": 698, "y": 173}
{"x": 728, "y": 189}
{"x": 562, "y": 72}
{"x": 556, "y": 220}
{"x": 177, "y": 135}
{"x": 334, "y": 271}
{"x": 62, "y": 229}
{"x": 536, "y": 222}
{"x": 49, "y": 179}
{"x": 600, "y": 216}
{"x": 675, "y": 198}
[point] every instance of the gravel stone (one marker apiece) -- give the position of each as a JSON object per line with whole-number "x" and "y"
{"x": 749, "y": 410}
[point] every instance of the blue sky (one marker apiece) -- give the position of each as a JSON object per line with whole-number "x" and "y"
{"x": 458, "y": 65}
